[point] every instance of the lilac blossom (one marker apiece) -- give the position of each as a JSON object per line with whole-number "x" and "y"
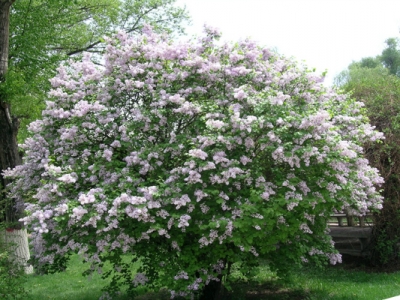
{"x": 140, "y": 279}
{"x": 198, "y": 153}
{"x": 67, "y": 178}
{"x": 183, "y": 221}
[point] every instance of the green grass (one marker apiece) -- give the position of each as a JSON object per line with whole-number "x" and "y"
{"x": 332, "y": 283}
{"x": 66, "y": 285}
{"x": 337, "y": 283}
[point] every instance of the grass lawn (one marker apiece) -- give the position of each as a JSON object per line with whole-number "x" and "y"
{"x": 332, "y": 283}
{"x": 338, "y": 283}
{"x": 68, "y": 285}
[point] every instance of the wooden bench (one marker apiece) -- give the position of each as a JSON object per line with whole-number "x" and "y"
{"x": 351, "y": 234}
{"x": 363, "y": 234}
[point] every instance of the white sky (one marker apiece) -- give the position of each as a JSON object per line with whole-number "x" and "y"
{"x": 326, "y": 34}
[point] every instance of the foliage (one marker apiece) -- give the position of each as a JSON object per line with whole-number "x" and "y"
{"x": 44, "y": 33}
{"x": 391, "y": 56}
{"x": 380, "y": 91}
{"x": 12, "y": 277}
{"x": 191, "y": 156}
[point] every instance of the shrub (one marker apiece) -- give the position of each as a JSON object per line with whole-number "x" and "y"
{"x": 189, "y": 157}
{"x": 380, "y": 92}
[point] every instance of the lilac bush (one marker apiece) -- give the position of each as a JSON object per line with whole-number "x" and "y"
{"x": 188, "y": 157}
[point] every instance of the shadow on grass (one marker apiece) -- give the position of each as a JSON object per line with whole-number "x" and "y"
{"x": 245, "y": 291}
{"x": 269, "y": 290}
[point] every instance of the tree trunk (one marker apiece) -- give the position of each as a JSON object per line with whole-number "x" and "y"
{"x": 5, "y": 6}
{"x": 215, "y": 290}
{"x": 15, "y": 238}
{"x": 9, "y": 156}
{"x": 16, "y": 241}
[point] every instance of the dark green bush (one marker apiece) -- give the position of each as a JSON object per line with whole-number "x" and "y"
{"x": 380, "y": 92}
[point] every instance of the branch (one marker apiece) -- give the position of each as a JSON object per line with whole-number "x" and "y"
{"x": 83, "y": 49}
{"x": 26, "y": 17}
{"x": 6, "y": 3}
{"x": 133, "y": 28}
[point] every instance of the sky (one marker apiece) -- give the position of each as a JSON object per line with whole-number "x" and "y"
{"x": 324, "y": 34}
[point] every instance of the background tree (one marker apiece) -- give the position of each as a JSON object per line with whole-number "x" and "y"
{"x": 389, "y": 60}
{"x": 390, "y": 56}
{"x": 379, "y": 88}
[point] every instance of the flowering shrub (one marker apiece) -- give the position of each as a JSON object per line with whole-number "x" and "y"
{"x": 189, "y": 157}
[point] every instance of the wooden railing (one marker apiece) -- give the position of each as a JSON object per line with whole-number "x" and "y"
{"x": 347, "y": 220}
